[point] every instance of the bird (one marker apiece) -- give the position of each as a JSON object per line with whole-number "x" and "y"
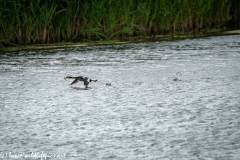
{"x": 86, "y": 80}
{"x": 108, "y": 84}
{"x": 177, "y": 77}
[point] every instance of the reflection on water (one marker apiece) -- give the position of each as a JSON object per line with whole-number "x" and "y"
{"x": 143, "y": 114}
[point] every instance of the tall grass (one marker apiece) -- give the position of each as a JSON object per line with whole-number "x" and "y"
{"x": 36, "y": 21}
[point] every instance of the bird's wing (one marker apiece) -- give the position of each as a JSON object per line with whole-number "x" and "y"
{"x": 75, "y": 81}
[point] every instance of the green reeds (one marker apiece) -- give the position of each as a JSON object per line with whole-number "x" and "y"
{"x": 36, "y": 21}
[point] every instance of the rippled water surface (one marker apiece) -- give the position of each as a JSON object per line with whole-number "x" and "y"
{"x": 143, "y": 114}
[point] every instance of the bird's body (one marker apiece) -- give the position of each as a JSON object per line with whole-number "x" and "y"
{"x": 108, "y": 84}
{"x": 86, "y": 80}
{"x": 177, "y": 77}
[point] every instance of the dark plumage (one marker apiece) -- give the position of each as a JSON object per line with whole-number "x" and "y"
{"x": 86, "y": 80}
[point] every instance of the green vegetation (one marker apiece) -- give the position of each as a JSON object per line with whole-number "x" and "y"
{"x": 37, "y": 21}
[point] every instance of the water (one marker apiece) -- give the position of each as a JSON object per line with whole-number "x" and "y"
{"x": 143, "y": 114}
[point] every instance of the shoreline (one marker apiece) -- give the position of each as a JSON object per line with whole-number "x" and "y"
{"x": 127, "y": 40}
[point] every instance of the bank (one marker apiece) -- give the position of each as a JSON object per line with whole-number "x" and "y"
{"x": 167, "y": 37}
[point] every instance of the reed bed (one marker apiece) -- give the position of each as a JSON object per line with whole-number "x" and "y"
{"x": 36, "y": 21}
